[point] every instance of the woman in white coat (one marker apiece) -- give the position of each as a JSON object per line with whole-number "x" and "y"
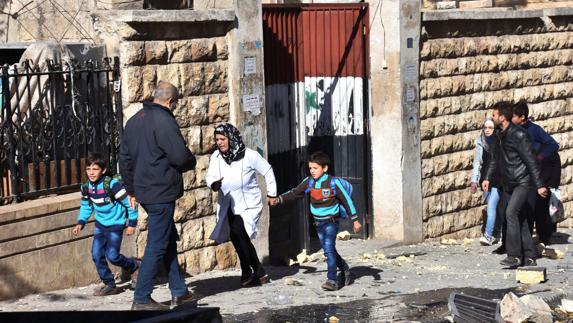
{"x": 232, "y": 173}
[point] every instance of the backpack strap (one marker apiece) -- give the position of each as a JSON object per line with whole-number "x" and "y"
{"x": 85, "y": 189}
{"x": 333, "y": 184}
{"x": 310, "y": 185}
{"x": 107, "y": 188}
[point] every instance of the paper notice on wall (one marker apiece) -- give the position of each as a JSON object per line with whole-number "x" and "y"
{"x": 411, "y": 74}
{"x": 250, "y": 66}
{"x": 251, "y": 103}
{"x": 410, "y": 94}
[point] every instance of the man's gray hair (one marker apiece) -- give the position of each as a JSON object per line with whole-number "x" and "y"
{"x": 165, "y": 91}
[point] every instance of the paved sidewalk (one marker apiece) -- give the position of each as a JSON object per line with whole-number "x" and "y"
{"x": 434, "y": 267}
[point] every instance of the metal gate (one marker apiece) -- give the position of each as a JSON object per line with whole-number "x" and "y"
{"x": 317, "y": 98}
{"x": 50, "y": 119}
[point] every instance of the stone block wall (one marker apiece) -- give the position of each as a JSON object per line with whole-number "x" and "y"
{"x": 466, "y": 67}
{"x": 199, "y": 69}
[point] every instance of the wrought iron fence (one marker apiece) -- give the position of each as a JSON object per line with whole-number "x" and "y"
{"x": 50, "y": 119}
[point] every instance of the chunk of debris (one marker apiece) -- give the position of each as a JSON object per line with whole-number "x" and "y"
{"x": 291, "y": 262}
{"x": 541, "y": 311}
{"x": 343, "y": 235}
{"x": 301, "y": 257}
{"x": 333, "y": 319}
{"x": 403, "y": 259}
{"x": 450, "y": 242}
{"x": 513, "y": 309}
{"x": 317, "y": 256}
{"x": 293, "y": 282}
{"x": 531, "y": 275}
{"x": 567, "y": 305}
{"x": 366, "y": 256}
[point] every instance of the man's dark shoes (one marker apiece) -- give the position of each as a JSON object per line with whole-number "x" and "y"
{"x": 529, "y": 262}
{"x": 330, "y": 285}
{"x": 247, "y": 281}
{"x": 189, "y": 300}
{"x": 107, "y": 290}
{"x": 264, "y": 279}
{"x": 511, "y": 262}
{"x": 500, "y": 250}
{"x": 151, "y": 306}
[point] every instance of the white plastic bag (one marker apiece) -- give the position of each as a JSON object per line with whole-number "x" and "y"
{"x": 556, "y": 211}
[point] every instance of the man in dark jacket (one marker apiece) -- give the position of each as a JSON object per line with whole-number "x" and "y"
{"x": 546, "y": 151}
{"x": 153, "y": 156}
{"x": 513, "y": 155}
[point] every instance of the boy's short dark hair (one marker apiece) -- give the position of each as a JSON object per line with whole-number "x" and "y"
{"x": 521, "y": 109}
{"x": 98, "y": 159}
{"x": 505, "y": 109}
{"x": 319, "y": 158}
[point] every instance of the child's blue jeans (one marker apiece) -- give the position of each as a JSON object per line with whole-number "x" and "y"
{"x": 491, "y": 225}
{"x": 107, "y": 245}
{"x": 327, "y": 231}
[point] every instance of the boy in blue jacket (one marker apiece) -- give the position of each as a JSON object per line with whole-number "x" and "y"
{"x": 107, "y": 199}
{"x": 327, "y": 196}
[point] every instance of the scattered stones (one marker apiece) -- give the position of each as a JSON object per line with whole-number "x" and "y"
{"x": 302, "y": 257}
{"x": 449, "y": 242}
{"x": 531, "y": 275}
{"x": 514, "y": 310}
{"x": 343, "y": 235}
{"x": 541, "y": 311}
{"x": 567, "y": 305}
{"x": 316, "y": 257}
{"x": 293, "y": 282}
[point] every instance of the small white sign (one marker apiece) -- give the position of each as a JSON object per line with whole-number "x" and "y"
{"x": 250, "y": 66}
{"x": 410, "y": 94}
{"x": 410, "y": 73}
{"x": 251, "y": 102}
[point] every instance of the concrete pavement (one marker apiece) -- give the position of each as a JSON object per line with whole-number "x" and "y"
{"x": 386, "y": 277}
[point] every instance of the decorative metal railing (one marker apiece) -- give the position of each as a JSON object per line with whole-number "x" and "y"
{"x": 50, "y": 119}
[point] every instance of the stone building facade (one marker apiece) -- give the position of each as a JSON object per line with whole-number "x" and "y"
{"x": 468, "y": 66}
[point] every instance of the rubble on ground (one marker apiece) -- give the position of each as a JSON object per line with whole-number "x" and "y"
{"x": 343, "y": 235}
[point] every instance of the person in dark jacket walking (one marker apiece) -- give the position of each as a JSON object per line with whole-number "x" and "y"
{"x": 153, "y": 156}
{"x": 512, "y": 154}
{"x": 546, "y": 151}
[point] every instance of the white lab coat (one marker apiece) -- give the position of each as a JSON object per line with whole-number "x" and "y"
{"x": 239, "y": 191}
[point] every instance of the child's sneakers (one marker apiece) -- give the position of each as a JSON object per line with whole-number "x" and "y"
{"x": 330, "y": 285}
{"x": 106, "y": 290}
{"x": 487, "y": 240}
